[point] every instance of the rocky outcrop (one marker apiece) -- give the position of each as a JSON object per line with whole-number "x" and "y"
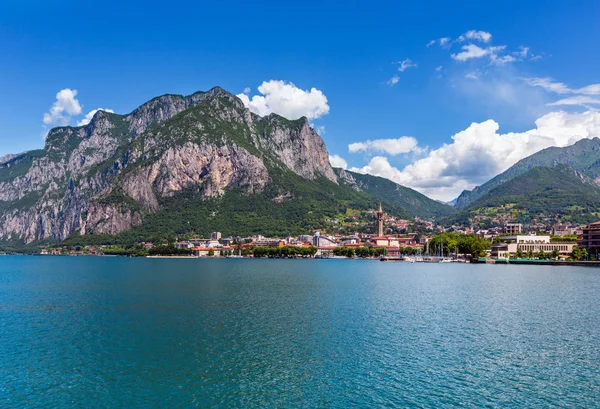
{"x": 110, "y": 219}
{"x": 300, "y": 148}
{"x": 208, "y": 141}
{"x": 347, "y": 178}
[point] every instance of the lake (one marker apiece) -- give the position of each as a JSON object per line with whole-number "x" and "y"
{"x": 120, "y": 332}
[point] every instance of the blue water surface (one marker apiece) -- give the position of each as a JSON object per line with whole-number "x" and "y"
{"x": 83, "y": 332}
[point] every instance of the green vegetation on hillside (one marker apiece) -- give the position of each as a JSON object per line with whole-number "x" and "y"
{"x": 413, "y": 202}
{"x": 544, "y": 191}
{"x": 583, "y": 156}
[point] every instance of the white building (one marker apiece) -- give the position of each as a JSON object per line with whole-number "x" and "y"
{"x": 534, "y": 244}
{"x": 320, "y": 241}
{"x": 215, "y": 235}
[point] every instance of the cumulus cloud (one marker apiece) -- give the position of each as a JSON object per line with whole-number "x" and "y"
{"x": 393, "y": 81}
{"x": 88, "y": 117}
{"x": 480, "y": 152}
{"x": 404, "y": 144}
{"x": 468, "y": 52}
{"x": 287, "y": 100}
{"x": 471, "y": 76}
{"x": 406, "y": 64}
{"x": 338, "y": 162}
{"x": 476, "y": 35}
{"x": 471, "y": 51}
{"x": 65, "y": 106}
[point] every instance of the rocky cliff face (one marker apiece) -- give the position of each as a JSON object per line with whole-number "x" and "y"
{"x": 107, "y": 176}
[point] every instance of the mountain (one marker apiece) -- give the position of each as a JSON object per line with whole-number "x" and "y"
{"x": 385, "y": 190}
{"x": 179, "y": 164}
{"x": 583, "y": 156}
{"x": 543, "y": 191}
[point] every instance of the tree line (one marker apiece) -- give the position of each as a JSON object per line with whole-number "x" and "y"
{"x": 453, "y": 242}
{"x": 362, "y": 252}
{"x": 282, "y": 252}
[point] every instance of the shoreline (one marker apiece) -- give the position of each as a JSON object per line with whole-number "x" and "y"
{"x": 393, "y": 260}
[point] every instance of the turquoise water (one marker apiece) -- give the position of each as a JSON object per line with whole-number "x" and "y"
{"x": 116, "y": 332}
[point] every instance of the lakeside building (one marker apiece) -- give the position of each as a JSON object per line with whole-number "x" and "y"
{"x": 325, "y": 251}
{"x": 268, "y": 242}
{"x": 202, "y": 251}
{"x": 591, "y": 238}
{"x": 183, "y": 245}
{"x": 509, "y": 245}
{"x": 215, "y": 235}
{"x": 319, "y": 241}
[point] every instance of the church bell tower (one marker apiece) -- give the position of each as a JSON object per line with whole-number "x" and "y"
{"x": 380, "y": 221}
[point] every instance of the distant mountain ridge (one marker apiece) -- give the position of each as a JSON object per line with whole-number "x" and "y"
{"x": 583, "y": 156}
{"x": 412, "y": 201}
{"x": 547, "y": 193}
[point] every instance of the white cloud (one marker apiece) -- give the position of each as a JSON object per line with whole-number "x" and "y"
{"x": 319, "y": 129}
{"x": 90, "y": 115}
{"x": 404, "y": 144}
{"x": 444, "y": 42}
{"x": 393, "y": 81}
{"x": 576, "y": 100}
{"x": 479, "y": 152}
{"x": 65, "y": 106}
{"x": 471, "y": 76}
{"x": 438, "y": 68}
{"x": 470, "y": 51}
{"x": 505, "y": 59}
{"x": 338, "y": 162}
{"x": 247, "y": 90}
{"x": 406, "y": 64}
{"x": 548, "y": 84}
{"x": 593, "y": 89}
{"x": 287, "y": 100}
{"x": 476, "y": 35}
{"x": 522, "y": 53}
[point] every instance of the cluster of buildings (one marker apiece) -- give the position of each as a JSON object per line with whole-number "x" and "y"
{"x": 325, "y": 244}
{"x": 514, "y": 229}
{"x": 588, "y": 237}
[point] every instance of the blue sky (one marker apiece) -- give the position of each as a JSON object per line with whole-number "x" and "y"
{"x": 117, "y": 55}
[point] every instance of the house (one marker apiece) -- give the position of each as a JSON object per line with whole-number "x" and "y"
{"x": 183, "y": 245}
